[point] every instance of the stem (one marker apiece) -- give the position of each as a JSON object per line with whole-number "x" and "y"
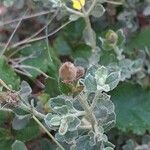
{"x": 42, "y": 116}
{"x": 32, "y": 110}
{"x": 25, "y": 17}
{"x": 94, "y": 102}
{"x": 91, "y": 8}
{"x": 48, "y": 133}
{"x": 33, "y": 68}
{"x": 74, "y": 11}
{"x": 88, "y": 25}
{"x": 118, "y": 53}
{"x": 89, "y": 113}
{"x": 90, "y": 32}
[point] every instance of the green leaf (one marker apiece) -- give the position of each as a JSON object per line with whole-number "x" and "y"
{"x": 76, "y": 28}
{"x": 65, "y": 88}
{"x": 132, "y": 108}
{"x": 63, "y": 127}
{"x": 18, "y": 145}
{"x": 113, "y": 79}
{"x": 68, "y": 137}
{"x": 19, "y": 122}
{"x": 86, "y": 142}
{"x": 140, "y": 40}
{"x": 73, "y": 125}
{"x": 4, "y": 117}
{"x": 52, "y": 87}
{"x": 90, "y": 83}
{"x": 55, "y": 121}
{"x": 57, "y": 102}
{"x": 61, "y": 110}
{"x": 39, "y": 59}
{"x": 47, "y": 144}
{"x": 6, "y": 144}
{"x": 98, "y": 10}
{"x": 30, "y": 132}
{"x": 8, "y": 75}
{"x": 49, "y": 117}
{"x": 82, "y": 51}
{"x": 101, "y": 75}
{"x": 25, "y": 90}
{"x": 88, "y": 35}
{"x": 62, "y": 47}
{"x": 60, "y": 101}
{"x": 121, "y": 38}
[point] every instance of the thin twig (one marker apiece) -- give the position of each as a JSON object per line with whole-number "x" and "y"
{"x": 33, "y": 68}
{"x": 5, "y": 85}
{"x": 47, "y": 44}
{"x": 43, "y": 28}
{"x": 74, "y": 11}
{"x": 25, "y": 17}
{"x": 115, "y": 3}
{"x": 48, "y": 133}
{"x": 40, "y": 38}
{"x": 91, "y": 8}
{"x": 12, "y": 35}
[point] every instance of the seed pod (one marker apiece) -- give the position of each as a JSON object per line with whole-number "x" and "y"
{"x": 9, "y": 97}
{"x": 80, "y": 72}
{"x": 67, "y": 72}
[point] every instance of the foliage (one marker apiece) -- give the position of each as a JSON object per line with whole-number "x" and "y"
{"x": 103, "y": 81}
{"x": 132, "y": 107}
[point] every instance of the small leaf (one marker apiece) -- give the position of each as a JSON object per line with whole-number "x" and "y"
{"x": 47, "y": 144}
{"x": 63, "y": 127}
{"x": 49, "y": 117}
{"x": 88, "y": 36}
{"x": 25, "y": 90}
{"x": 62, "y": 46}
{"x": 61, "y": 110}
{"x": 38, "y": 58}
{"x": 18, "y": 145}
{"x": 73, "y": 125}
{"x": 55, "y": 121}
{"x": 101, "y": 75}
{"x": 98, "y": 10}
{"x": 30, "y": 132}
{"x": 19, "y": 122}
{"x": 121, "y": 38}
{"x": 113, "y": 79}
{"x": 90, "y": 83}
{"x": 57, "y": 102}
{"x": 8, "y": 75}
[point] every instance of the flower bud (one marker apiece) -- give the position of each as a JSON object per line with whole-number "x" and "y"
{"x": 67, "y": 72}
{"x": 111, "y": 37}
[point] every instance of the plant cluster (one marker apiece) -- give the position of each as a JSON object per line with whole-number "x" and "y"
{"x": 79, "y": 108}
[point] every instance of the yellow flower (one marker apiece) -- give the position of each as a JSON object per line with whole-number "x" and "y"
{"x": 78, "y": 4}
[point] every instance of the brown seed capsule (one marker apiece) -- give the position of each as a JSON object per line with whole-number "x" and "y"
{"x": 67, "y": 72}
{"x": 80, "y": 72}
{"x": 9, "y": 97}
